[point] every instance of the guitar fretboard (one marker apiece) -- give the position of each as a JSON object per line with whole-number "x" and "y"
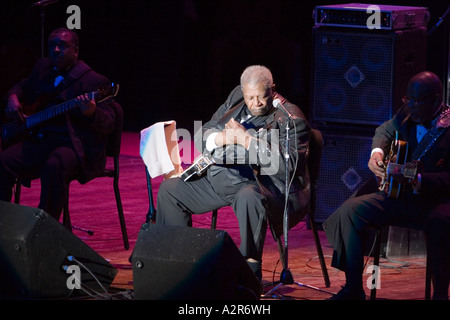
{"x": 13, "y": 128}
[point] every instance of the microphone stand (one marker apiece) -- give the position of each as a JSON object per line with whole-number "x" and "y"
{"x": 286, "y": 277}
{"x": 42, "y": 5}
{"x": 42, "y": 31}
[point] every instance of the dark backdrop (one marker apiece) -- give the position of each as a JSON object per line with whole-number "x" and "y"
{"x": 178, "y": 59}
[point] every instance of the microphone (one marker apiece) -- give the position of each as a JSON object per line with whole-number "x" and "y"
{"x": 279, "y": 105}
{"x": 44, "y": 3}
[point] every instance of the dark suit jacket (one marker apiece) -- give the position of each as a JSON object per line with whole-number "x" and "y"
{"x": 436, "y": 162}
{"x": 88, "y": 135}
{"x": 271, "y": 176}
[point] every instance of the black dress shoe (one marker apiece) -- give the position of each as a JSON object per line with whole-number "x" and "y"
{"x": 349, "y": 294}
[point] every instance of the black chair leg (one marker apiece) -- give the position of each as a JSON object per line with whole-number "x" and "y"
{"x": 214, "y": 219}
{"x": 151, "y": 214}
{"x": 376, "y": 261}
{"x": 121, "y": 216}
{"x": 66, "y": 216}
{"x": 18, "y": 188}
{"x": 323, "y": 265}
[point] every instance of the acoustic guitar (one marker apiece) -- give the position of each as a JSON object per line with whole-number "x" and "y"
{"x": 395, "y": 164}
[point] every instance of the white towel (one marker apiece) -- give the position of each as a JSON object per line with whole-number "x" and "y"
{"x": 159, "y": 149}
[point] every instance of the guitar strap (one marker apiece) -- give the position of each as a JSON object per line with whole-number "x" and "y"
{"x": 78, "y": 71}
{"x": 432, "y": 135}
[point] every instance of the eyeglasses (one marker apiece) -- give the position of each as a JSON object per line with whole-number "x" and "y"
{"x": 408, "y": 100}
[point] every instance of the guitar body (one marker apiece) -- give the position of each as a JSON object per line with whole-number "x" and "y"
{"x": 27, "y": 110}
{"x": 397, "y": 155}
{"x": 200, "y": 164}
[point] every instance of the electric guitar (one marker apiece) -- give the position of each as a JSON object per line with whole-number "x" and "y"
{"x": 395, "y": 164}
{"x": 13, "y": 130}
{"x": 201, "y": 163}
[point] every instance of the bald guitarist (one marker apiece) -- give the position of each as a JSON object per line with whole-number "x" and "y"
{"x": 72, "y": 144}
{"x": 423, "y": 123}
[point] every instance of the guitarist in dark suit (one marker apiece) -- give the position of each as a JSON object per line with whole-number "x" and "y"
{"x": 246, "y": 139}
{"x": 71, "y": 144}
{"x": 423, "y": 122}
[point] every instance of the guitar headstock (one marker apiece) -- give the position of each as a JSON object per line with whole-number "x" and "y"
{"x": 107, "y": 92}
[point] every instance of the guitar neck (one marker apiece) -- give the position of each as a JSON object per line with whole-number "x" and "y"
{"x": 17, "y": 127}
{"x": 54, "y": 111}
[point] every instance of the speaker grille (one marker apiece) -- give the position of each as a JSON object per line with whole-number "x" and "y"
{"x": 360, "y": 77}
{"x": 343, "y": 170}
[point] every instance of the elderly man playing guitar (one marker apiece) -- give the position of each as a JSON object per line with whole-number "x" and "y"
{"x": 245, "y": 138}
{"x": 418, "y": 168}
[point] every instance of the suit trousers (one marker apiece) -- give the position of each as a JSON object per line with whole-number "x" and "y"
{"x": 345, "y": 226}
{"x": 178, "y": 200}
{"x": 53, "y": 160}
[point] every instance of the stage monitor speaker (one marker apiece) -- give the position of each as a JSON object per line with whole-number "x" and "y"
{"x": 174, "y": 263}
{"x": 343, "y": 170}
{"x": 361, "y": 76}
{"x": 35, "y": 258}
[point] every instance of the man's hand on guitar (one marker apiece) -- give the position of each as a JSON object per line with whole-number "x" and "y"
{"x": 376, "y": 165}
{"x": 14, "y": 109}
{"x": 234, "y": 133}
{"x": 86, "y": 105}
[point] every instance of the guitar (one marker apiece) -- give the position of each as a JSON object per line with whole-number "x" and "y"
{"x": 201, "y": 163}
{"x": 14, "y": 129}
{"x": 395, "y": 164}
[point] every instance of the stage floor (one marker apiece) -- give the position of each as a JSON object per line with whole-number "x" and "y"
{"x": 93, "y": 206}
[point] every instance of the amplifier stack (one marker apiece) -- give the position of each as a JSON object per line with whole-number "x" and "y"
{"x": 360, "y": 75}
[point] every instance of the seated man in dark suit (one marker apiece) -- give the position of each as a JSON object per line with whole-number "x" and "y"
{"x": 423, "y": 123}
{"x": 246, "y": 138}
{"x": 72, "y": 144}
